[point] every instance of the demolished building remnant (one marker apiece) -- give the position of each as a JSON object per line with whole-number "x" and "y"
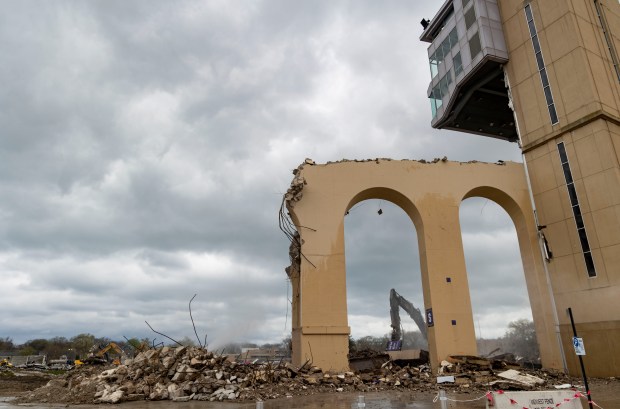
{"x": 430, "y": 192}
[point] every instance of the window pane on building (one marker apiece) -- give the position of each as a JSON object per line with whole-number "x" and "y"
{"x": 583, "y": 238}
{"x": 548, "y": 95}
{"x": 458, "y": 64}
{"x": 572, "y": 194}
{"x": 589, "y": 264}
{"x": 470, "y": 17}
{"x": 536, "y": 43}
{"x": 474, "y": 45}
{"x": 543, "y": 77}
{"x": 553, "y": 114}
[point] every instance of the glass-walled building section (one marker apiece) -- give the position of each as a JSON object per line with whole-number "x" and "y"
{"x": 465, "y": 57}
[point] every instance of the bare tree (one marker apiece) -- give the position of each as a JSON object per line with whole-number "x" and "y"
{"x": 520, "y": 339}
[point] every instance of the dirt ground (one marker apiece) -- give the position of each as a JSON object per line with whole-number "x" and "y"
{"x": 16, "y": 383}
{"x": 605, "y": 393}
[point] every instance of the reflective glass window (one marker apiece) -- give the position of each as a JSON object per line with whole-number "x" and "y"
{"x": 458, "y": 64}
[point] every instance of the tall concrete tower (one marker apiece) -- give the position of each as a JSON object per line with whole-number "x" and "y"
{"x": 546, "y": 74}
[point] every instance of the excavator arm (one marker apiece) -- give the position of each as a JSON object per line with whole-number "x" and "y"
{"x": 110, "y": 346}
{"x": 398, "y": 301}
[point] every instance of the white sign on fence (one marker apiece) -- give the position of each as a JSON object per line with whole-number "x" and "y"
{"x": 534, "y": 400}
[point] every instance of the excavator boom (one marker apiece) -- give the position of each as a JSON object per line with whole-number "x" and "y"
{"x": 398, "y": 301}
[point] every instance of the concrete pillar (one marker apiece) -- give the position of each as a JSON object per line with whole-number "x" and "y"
{"x": 321, "y": 336}
{"x": 444, "y": 279}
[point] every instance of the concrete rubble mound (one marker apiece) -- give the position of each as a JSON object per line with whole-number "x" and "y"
{"x": 190, "y": 373}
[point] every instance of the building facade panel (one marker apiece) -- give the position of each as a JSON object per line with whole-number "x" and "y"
{"x": 549, "y": 12}
{"x": 596, "y": 191}
{"x": 562, "y": 27}
{"x": 531, "y": 119}
{"x": 515, "y": 24}
{"x": 605, "y": 85}
{"x": 613, "y": 185}
{"x": 573, "y": 99}
{"x": 563, "y": 275}
{"x": 605, "y": 148}
{"x": 588, "y": 31}
{"x": 588, "y": 156}
{"x": 606, "y": 226}
{"x": 611, "y": 257}
{"x": 560, "y": 248}
{"x": 542, "y": 175}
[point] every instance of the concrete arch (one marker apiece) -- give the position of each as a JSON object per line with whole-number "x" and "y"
{"x": 431, "y": 195}
{"x": 536, "y": 278}
{"x": 393, "y": 196}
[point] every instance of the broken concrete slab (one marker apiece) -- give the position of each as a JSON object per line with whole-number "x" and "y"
{"x": 520, "y": 377}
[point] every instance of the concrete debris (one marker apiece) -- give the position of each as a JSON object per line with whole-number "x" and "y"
{"x": 294, "y": 253}
{"x": 472, "y": 360}
{"x": 517, "y": 376}
{"x": 379, "y": 160}
{"x": 190, "y": 373}
{"x": 376, "y": 160}
{"x": 295, "y": 192}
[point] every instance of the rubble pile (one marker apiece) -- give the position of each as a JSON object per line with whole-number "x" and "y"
{"x": 473, "y": 371}
{"x": 190, "y": 373}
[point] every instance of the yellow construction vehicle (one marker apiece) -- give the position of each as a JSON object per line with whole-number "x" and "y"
{"x": 5, "y": 363}
{"x": 101, "y": 356}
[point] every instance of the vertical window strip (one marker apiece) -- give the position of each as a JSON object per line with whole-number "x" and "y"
{"x": 610, "y": 44}
{"x": 540, "y": 62}
{"x": 574, "y": 202}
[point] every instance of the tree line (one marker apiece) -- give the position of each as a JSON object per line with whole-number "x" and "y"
{"x": 519, "y": 340}
{"x": 75, "y": 347}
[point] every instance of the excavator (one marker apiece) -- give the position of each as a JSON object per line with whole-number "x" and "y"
{"x": 100, "y": 355}
{"x": 398, "y": 301}
{"x": 5, "y": 363}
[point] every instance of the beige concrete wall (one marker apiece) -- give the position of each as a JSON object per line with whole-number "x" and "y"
{"x": 431, "y": 195}
{"x": 578, "y": 64}
{"x": 593, "y": 156}
{"x": 587, "y": 97}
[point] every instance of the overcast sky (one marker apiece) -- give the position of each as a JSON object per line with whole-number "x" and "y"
{"x": 145, "y": 147}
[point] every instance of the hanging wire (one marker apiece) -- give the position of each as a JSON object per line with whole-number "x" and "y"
{"x": 290, "y": 230}
{"x": 356, "y": 206}
{"x": 485, "y": 203}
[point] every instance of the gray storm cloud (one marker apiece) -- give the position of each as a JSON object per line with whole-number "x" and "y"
{"x": 146, "y": 147}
